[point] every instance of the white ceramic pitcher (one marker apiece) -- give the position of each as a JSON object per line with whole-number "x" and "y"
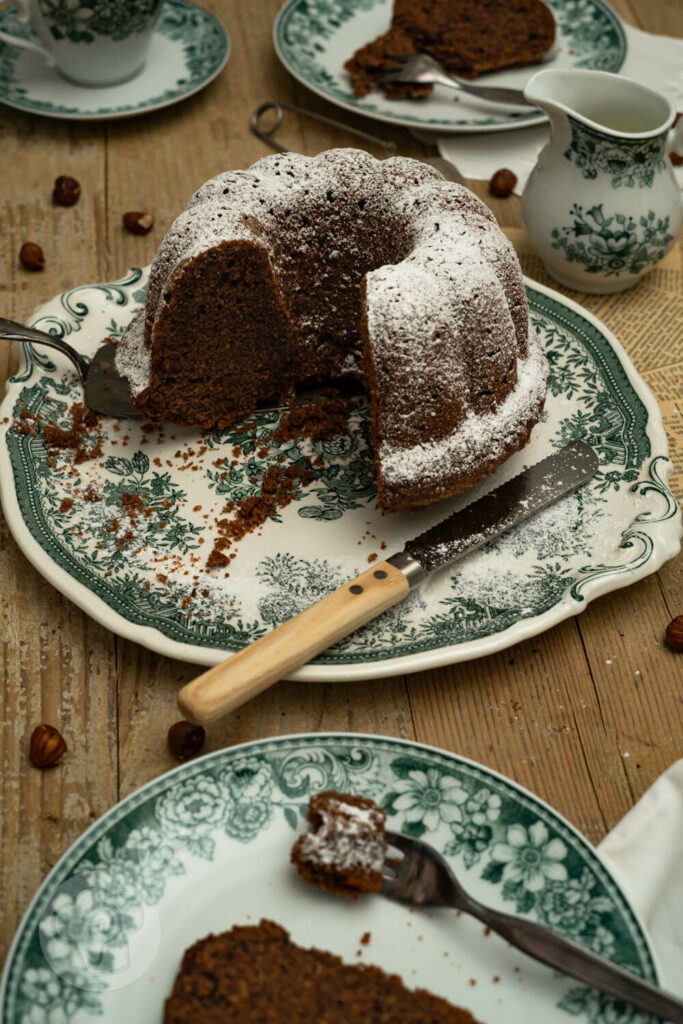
{"x": 602, "y": 205}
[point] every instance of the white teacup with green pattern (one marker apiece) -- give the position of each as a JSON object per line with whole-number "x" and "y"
{"x": 91, "y": 42}
{"x": 602, "y": 205}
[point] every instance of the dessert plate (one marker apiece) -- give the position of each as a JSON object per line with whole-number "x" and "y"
{"x": 314, "y": 38}
{"x": 142, "y": 572}
{"x": 207, "y": 846}
{"x": 188, "y": 49}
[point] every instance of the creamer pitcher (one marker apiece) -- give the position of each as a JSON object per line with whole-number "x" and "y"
{"x": 602, "y": 205}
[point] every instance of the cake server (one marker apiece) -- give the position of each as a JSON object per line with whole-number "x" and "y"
{"x": 104, "y": 390}
{"x": 226, "y": 686}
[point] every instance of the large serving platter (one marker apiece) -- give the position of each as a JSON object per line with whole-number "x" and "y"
{"x": 153, "y": 586}
{"x": 207, "y": 846}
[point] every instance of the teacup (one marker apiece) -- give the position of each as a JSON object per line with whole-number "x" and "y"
{"x": 91, "y": 42}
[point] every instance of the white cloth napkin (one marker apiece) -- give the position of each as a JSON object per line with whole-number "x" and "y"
{"x": 656, "y": 61}
{"x": 644, "y": 852}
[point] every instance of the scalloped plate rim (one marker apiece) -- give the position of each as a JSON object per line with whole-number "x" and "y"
{"x": 148, "y": 109}
{"x": 666, "y": 545}
{"x": 118, "y": 811}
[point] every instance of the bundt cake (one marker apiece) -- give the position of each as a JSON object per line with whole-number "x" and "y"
{"x": 342, "y": 267}
{"x": 467, "y": 37}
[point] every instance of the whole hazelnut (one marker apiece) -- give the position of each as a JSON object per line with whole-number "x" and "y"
{"x": 137, "y": 222}
{"x": 674, "y": 634}
{"x": 47, "y": 746}
{"x": 66, "y": 191}
{"x": 31, "y": 256}
{"x": 502, "y": 183}
{"x": 185, "y": 740}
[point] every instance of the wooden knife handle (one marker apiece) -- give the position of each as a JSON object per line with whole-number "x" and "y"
{"x": 232, "y": 683}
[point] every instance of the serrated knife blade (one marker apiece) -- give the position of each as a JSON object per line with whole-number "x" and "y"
{"x": 499, "y": 510}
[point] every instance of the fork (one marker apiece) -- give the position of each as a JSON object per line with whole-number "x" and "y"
{"x": 421, "y": 877}
{"x": 423, "y": 69}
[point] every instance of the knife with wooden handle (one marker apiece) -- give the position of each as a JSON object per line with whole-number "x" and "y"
{"x": 276, "y": 655}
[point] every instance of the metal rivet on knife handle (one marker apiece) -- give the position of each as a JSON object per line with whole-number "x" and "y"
{"x": 277, "y": 654}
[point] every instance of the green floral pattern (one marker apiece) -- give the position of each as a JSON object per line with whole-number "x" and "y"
{"x": 202, "y": 44}
{"x": 614, "y": 244}
{"x": 76, "y": 933}
{"x": 312, "y": 40}
{"x": 626, "y": 162}
{"x": 606, "y": 529}
{"x": 82, "y": 22}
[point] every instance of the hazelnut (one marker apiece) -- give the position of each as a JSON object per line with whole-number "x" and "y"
{"x": 676, "y": 159}
{"x": 185, "y": 740}
{"x": 47, "y": 746}
{"x": 138, "y": 223}
{"x": 31, "y": 256}
{"x": 66, "y": 191}
{"x": 502, "y": 183}
{"x": 674, "y": 634}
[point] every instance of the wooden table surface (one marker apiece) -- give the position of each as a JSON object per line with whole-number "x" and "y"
{"x": 586, "y": 715}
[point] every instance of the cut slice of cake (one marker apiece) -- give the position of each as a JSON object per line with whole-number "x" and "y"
{"x": 344, "y": 851}
{"x": 257, "y": 975}
{"x": 467, "y": 37}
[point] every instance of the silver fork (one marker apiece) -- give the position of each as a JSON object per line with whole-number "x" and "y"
{"x": 422, "y": 69}
{"x": 421, "y": 877}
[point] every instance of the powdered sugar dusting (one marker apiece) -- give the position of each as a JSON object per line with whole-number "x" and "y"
{"x": 477, "y": 436}
{"x": 347, "y": 838}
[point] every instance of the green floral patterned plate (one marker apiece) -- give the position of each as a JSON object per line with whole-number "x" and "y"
{"x": 144, "y": 576}
{"x": 189, "y": 48}
{"x": 207, "y": 846}
{"x": 313, "y": 39}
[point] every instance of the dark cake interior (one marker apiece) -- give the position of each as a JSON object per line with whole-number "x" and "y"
{"x": 270, "y": 332}
{"x": 257, "y": 975}
{"x": 344, "y": 851}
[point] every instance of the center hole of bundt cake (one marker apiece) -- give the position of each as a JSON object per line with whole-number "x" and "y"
{"x": 321, "y": 255}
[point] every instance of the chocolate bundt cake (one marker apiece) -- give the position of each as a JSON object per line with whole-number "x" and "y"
{"x": 342, "y": 267}
{"x": 255, "y": 974}
{"x": 467, "y": 37}
{"x": 344, "y": 851}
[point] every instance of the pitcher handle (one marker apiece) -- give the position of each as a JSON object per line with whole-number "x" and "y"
{"x": 27, "y": 44}
{"x": 674, "y": 139}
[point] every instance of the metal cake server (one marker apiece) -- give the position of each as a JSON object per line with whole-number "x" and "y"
{"x": 225, "y": 687}
{"x": 422, "y": 878}
{"x": 104, "y": 390}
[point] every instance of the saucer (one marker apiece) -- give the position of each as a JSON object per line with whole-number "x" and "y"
{"x": 188, "y": 49}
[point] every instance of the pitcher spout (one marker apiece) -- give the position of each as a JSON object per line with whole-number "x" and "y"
{"x": 609, "y": 104}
